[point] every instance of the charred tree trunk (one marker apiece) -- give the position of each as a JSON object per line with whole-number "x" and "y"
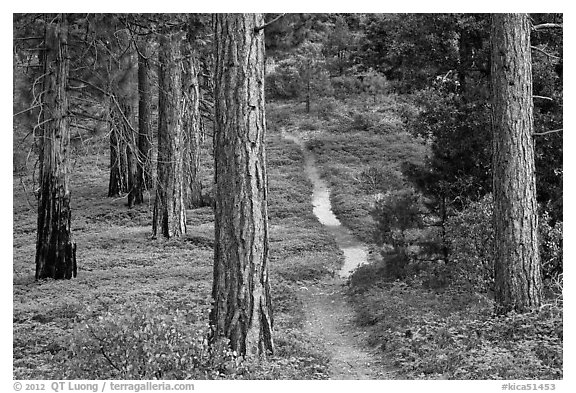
{"x": 517, "y": 262}
{"x": 192, "y": 121}
{"x": 144, "y": 148}
{"x": 169, "y": 217}
{"x": 242, "y": 310}
{"x": 55, "y": 251}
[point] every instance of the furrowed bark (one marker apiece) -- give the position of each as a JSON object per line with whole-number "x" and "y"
{"x": 242, "y": 311}
{"x": 517, "y": 261}
{"x": 55, "y": 251}
{"x": 169, "y": 218}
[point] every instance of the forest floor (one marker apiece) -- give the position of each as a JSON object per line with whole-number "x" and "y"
{"x": 326, "y": 327}
{"x": 124, "y": 274}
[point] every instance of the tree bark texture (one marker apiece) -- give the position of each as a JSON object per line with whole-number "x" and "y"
{"x": 517, "y": 262}
{"x": 169, "y": 218}
{"x": 242, "y": 309}
{"x": 144, "y": 151}
{"x": 192, "y": 121}
{"x": 55, "y": 251}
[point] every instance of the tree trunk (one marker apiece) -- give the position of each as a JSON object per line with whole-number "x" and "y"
{"x": 242, "y": 309}
{"x": 464, "y": 58}
{"x": 55, "y": 251}
{"x": 122, "y": 133}
{"x": 169, "y": 217}
{"x": 144, "y": 151}
{"x": 308, "y": 88}
{"x": 191, "y": 111}
{"x": 517, "y": 263}
{"x": 122, "y": 160}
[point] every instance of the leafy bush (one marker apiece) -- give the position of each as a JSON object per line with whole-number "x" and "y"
{"x": 345, "y": 86}
{"x": 395, "y": 213}
{"x": 470, "y": 237}
{"x": 550, "y": 243}
{"x": 284, "y": 82}
{"x": 364, "y": 120}
{"x": 146, "y": 342}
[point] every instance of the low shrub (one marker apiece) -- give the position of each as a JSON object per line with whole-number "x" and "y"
{"x": 146, "y": 342}
{"x": 453, "y": 334}
{"x": 364, "y": 120}
{"x": 550, "y": 243}
{"x": 346, "y": 86}
{"x": 470, "y": 237}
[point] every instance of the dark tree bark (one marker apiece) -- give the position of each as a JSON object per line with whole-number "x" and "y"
{"x": 192, "y": 120}
{"x": 242, "y": 309}
{"x": 517, "y": 265}
{"x": 144, "y": 154}
{"x": 55, "y": 251}
{"x": 169, "y": 217}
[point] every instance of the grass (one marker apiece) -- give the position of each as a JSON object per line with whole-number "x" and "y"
{"x": 124, "y": 273}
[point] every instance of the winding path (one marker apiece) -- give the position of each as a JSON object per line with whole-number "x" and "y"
{"x": 329, "y": 318}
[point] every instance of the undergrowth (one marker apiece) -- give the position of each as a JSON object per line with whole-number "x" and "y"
{"x": 453, "y": 334}
{"x": 138, "y": 308}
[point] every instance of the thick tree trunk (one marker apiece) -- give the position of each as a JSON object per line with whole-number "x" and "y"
{"x": 169, "y": 217}
{"x": 242, "y": 309}
{"x": 192, "y": 121}
{"x": 144, "y": 151}
{"x": 55, "y": 251}
{"x": 517, "y": 264}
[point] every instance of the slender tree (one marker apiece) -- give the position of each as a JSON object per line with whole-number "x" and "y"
{"x": 55, "y": 251}
{"x": 242, "y": 310}
{"x": 517, "y": 262}
{"x": 144, "y": 143}
{"x": 191, "y": 111}
{"x": 169, "y": 217}
{"x": 122, "y": 133}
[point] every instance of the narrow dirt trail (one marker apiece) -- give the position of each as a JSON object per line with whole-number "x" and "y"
{"x": 329, "y": 317}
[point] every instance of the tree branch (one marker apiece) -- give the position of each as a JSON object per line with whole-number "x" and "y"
{"x": 544, "y": 52}
{"x": 547, "y": 132}
{"x": 548, "y": 26}
{"x": 543, "y": 98}
{"x": 257, "y": 29}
